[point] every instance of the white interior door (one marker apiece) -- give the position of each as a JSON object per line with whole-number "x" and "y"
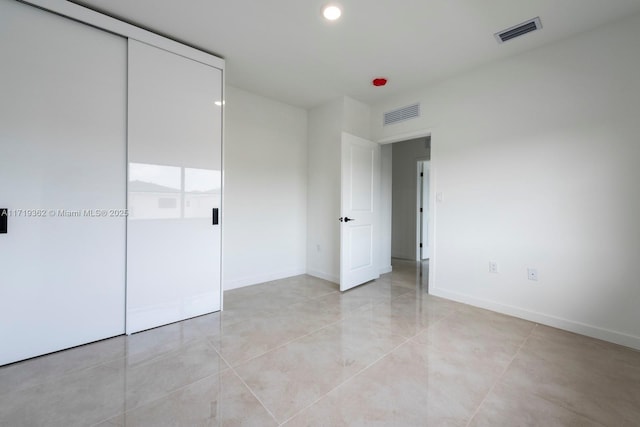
{"x": 360, "y": 199}
{"x": 62, "y": 165}
{"x": 175, "y": 184}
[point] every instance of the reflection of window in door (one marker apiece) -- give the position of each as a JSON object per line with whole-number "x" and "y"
{"x": 164, "y": 192}
{"x": 167, "y": 203}
{"x": 154, "y": 191}
{"x": 201, "y": 191}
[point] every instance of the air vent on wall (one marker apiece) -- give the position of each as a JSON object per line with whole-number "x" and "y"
{"x": 401, "y": 114}
{"x": 519, "y": 30}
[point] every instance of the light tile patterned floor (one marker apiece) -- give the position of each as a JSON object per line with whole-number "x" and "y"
{"x": 297, "y": 352}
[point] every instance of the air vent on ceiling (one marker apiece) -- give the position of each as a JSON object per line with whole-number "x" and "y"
{"x": 401, "y": 114}
{"x": 519, "y": 30}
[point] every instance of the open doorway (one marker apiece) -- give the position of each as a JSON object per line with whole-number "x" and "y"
{"x": 407, "y": 194}
{"x": 409, "y": 210}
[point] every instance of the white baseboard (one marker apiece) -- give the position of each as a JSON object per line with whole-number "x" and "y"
{"x": 408, "y": 257}
{"x": 385, "y": 270}
{"x": 325, "y": 276}
{"x": 261, "y": 278}
{"x": 542, "y": 318}
{"x": 336, "y": 279}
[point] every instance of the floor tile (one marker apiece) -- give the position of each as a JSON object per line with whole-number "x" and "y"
{"x": 153, "y": 343}
{"x": 298, "y": 351}
{"x": 407, "y": 315}
{"x": 305, "y": 286}
{"x": 245, "y": 340}
{"x": 89, "y": 395}
{"x": 44, "y": 369}
{"x": 598, "y": 380}
{"x": 368, "y": 295}
{"x": 412, "y": 386}
{"x": 218, "y": 400}
{"x": 294, "y": 376}
{"x": 507, "y": 406}
{"x": 78, "y": 399}
{"x": 163, "y": 375}
{"x": 267, "y": 299}
{"x": 483, "y": 334}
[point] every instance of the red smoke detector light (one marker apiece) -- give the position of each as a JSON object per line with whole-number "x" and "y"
{"x": 379, "y": 81}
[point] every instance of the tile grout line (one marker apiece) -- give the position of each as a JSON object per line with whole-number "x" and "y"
{"x": 504, "y": 371}
{"x": 242, "y": 362}
{"x": 233, "y": 368}
{"x": 209, "y": 344}
{"x": 229, "y": 368}
{"x": 221, "y": 371}
{"x": 561, "y": 403}
{"x": 59, "y": 376}
{"x": 249, "y": 388}
{"x": 407, "y": 340}
{"x": 362, "y": 308}
{"x": 346, "y": 380}
{"x": 181, "y": 388}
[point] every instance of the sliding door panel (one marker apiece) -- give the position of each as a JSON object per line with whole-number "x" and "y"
{"x": 175, "y": 137}
{"x": 63, "y": 182}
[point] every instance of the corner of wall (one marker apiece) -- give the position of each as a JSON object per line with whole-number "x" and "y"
{"x": 323, "y": 193}
{"x": 356, "y": 118}
{"x": 265, "y": 149}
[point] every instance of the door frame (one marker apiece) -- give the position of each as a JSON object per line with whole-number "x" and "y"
{"x": 433, "y": 212}
{"x": 419, "y": 205}
{"x": 102, "y": 21}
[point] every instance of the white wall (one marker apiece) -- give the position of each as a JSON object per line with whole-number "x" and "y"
{"x": 536, "y": 159}
{"x": 404, "y": 230}
{"x": 356, "y": 118}
{"x": 265, "y": 202}
{"x": 323, "y": 228}
{"x": 326, "y": 124}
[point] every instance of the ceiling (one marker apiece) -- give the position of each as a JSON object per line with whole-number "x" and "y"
{"x": 283, "y": 49}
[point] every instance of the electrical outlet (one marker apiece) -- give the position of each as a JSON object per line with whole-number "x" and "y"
{"x": 532, "y": 274}
{"x": 493, "y": 267}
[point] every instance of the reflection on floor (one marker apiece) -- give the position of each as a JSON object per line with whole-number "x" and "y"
{"x": 297, "y": 352}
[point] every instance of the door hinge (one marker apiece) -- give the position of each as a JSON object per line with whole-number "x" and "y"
{"x": 420, "y": 210}
{"x": 421, "y": 173}
{"x": 420, "y": 244}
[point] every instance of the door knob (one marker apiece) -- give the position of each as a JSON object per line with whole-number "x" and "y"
{"x": 347, "y": 219}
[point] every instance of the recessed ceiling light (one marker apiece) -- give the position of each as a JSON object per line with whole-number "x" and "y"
{"x": 331, "y": 12}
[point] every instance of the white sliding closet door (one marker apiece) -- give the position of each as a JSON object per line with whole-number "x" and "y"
{"x": 175, "y": 137}
{"x": 62, "y": 162}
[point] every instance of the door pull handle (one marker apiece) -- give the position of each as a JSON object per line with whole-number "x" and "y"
{"x": 216, "y": 220}
{"x": 4, "y": 219}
